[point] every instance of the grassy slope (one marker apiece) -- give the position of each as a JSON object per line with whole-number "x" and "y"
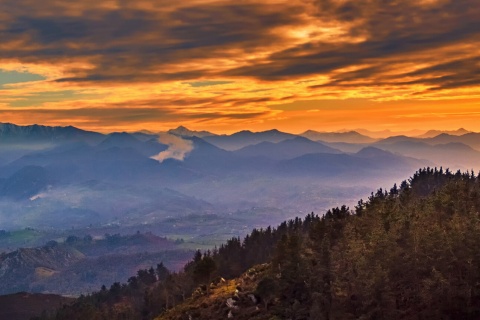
{"x": 214, "y": 306}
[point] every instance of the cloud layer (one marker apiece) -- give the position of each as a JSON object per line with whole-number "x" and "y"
{"x": 177, "y": 149}
{"x": 138, "y": 62}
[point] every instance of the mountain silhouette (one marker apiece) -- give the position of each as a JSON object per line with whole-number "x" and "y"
{"x": 348, "y": 136}
{"x": 244, "y": 138}
{"x": 286, "y": 149}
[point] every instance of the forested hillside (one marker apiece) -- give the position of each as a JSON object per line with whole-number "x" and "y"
{"x": 410, "y": 252}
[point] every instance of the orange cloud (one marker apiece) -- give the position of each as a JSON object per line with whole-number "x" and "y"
{"x": 227, "y": 65}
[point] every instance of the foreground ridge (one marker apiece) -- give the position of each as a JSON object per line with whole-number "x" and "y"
{"x": 406, "y": 253}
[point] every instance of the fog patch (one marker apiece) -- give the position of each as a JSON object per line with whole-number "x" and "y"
{"x": 38, "y": 196}
{"x": 177, "y": 149}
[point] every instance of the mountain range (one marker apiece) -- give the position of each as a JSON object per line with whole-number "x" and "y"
{"x": 67, "y": 177}
{"x": 101, "y": 198}
{"x": 434, "y": 133}
{"x": 80, "y": 265}
{"x": 348, "y": 136}
{"x": 371, "y": 262}
{"x": 182, "y": 131}
{"x": 36, "y": 133}
{"x": 286, "y": 149}
{"x": 245, "y": 138}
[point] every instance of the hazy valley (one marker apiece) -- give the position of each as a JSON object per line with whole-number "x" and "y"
{"x": 193, "y": 189}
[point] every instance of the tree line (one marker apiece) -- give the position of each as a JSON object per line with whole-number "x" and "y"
{"x": 410, "y": 252}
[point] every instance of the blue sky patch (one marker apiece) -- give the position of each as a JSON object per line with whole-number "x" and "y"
{"x": 9, "y": 77}
{"x": 49, "y": 96}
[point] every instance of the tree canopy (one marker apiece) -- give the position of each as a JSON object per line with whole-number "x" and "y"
{"x": 407, "y": 253}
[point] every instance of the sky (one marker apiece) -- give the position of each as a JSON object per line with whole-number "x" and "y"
{"x": 224, "y": 66}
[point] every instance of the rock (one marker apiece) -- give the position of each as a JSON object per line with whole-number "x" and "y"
{"x": 253, "y": 298}
{"x": 218, "y": 281}
{"x": 230, "y": 303}
{"x": 197, "y": 293}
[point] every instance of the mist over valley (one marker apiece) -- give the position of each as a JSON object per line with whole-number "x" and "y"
{"x": 80, "y": 209}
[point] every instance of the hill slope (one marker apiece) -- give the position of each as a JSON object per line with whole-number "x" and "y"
{"x": 20, "y": 268}
{"x": 407, "y": 253}
{"x": 24, "y": 306}
{"x": 185, "y": 132}
{"x": 13, "y": 133}
{"x": 245, "y": 138}
{"x": 348, "y": 137}
{"x": 434, "y": 133}
{"x": 287, "y": 149}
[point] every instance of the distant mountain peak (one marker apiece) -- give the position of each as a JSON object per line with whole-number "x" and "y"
{"x": 373, "y": 152}
{"x": 120, "y": 134}
{"x": 258, "y": 133}
{"x": 116, "y": 138}
{"x": 144, "y": 131}
{"x": 244, "y": 138}
{"x": 285, "y": 149}
{"x": 273, "y": 131}
{"x": 183, "y": 131}
{"x": 36, "y": 132}
{"x": 9, "y": 126}
{"x": 344, "y": 136}
{"x": 434, "y": 133}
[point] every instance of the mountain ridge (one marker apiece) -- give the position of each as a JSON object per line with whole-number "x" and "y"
{"x": 331, "y": 266}
{"x": 185, "y": 132}
{"x": 285, "y": 149}
{"x": 347, "y": 136}
{"x": 434, "y": 133}
{"x": 9, "y": 131}
{"x": 244, "y": 138}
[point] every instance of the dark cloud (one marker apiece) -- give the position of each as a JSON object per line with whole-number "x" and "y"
{"x": 228, "y": 24}
{"x": 156, "y": 40}
{"x": 453, "y": 74}
{"x": 111, "y": 116}
{"x": 123, "y": 76}
{"x": 47, "y": 31}
{"x": 393, "y": 32}
{"x": 123, "y": 43}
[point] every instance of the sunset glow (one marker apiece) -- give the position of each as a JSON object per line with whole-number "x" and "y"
{"x": 224, "y": 66}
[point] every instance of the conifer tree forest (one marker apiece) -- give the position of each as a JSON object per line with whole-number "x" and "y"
{"x": 411, "y": 252}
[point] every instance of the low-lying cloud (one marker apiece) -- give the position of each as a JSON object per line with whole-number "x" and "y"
{"x": 178, "y": 148}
